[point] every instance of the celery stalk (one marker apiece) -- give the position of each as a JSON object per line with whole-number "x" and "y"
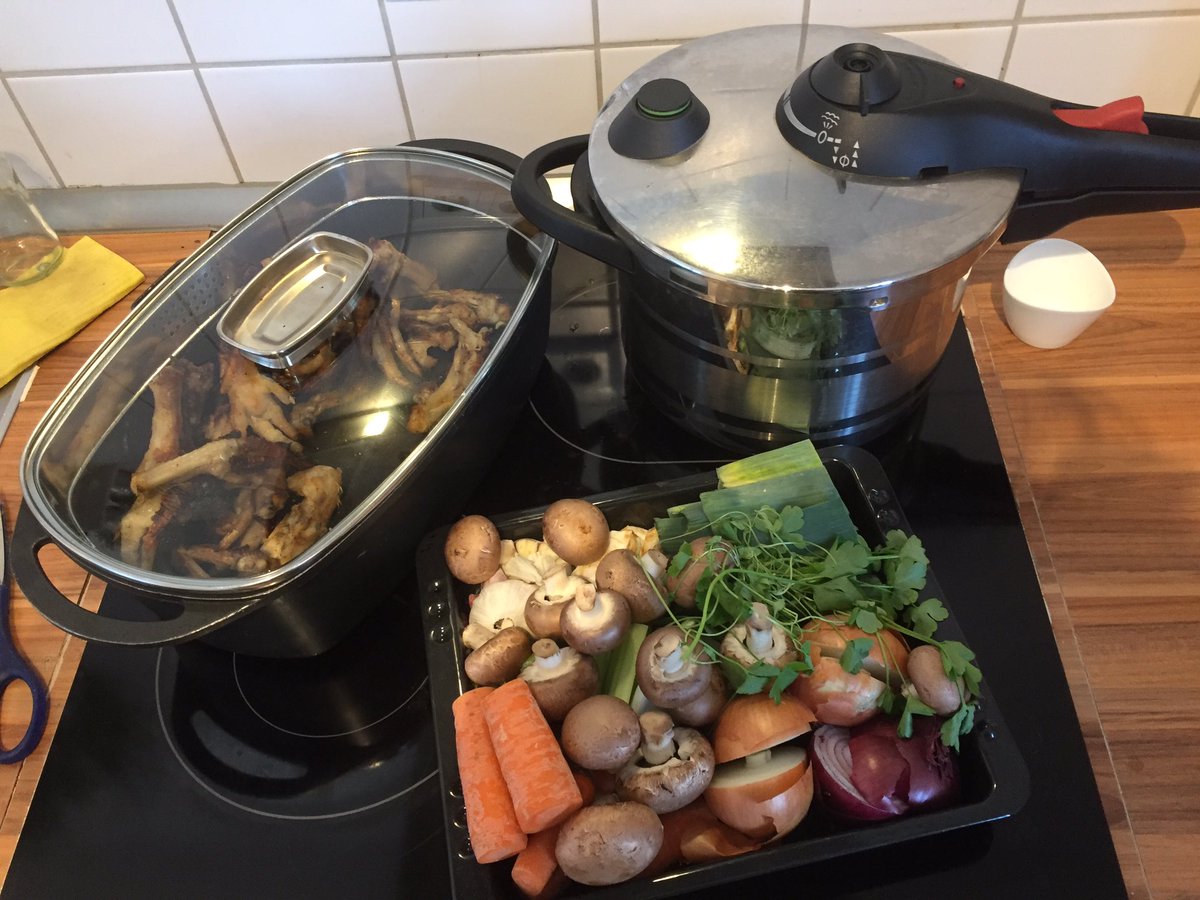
{"x": 621, "y": 676}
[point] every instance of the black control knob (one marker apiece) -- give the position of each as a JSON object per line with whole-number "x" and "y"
{"x": 856, "y": 75}
{"x": 663, "y": 118}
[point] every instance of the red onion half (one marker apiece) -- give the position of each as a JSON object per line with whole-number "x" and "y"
{"x": 869, "y": 773}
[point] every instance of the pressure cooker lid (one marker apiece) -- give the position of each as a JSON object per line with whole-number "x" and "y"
{"x": 712, "y": 187}
{"x": 281, "y": 382}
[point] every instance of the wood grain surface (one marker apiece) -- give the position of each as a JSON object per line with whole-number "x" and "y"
{"x": 1102, "y": 443}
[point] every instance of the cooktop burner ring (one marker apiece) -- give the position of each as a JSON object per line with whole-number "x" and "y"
{"x": 267, "y": 720}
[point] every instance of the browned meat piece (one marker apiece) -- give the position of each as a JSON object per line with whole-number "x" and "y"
{"x": 395, "y": 275}
{"x": 143, "y": 525}
{"x": 222, "y": 561}
{"x": 485, "y": 309}
{"x": 255, "y": 403}
{"x": 396, "y": 335}
{"x": 424, "y": 338}
{"x": 320, "y": 491}
{"x": 166, "y": 424}
{"x": 383, "y": 351}
{"x": 431, "y": 404}
{"x": 306, "y": 412}
{"x": 240, "y": 461}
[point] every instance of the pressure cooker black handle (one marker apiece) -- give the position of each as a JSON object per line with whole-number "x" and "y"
{"x": 196, "y": 618}
{"x": 532, "y": 196}
{"x": 501, "y": 159}
{"x": 864, "y": 111}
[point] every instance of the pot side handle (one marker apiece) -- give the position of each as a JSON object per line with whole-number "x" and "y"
{"x": 195, "y": 619}
{"x": 532, "y": 196}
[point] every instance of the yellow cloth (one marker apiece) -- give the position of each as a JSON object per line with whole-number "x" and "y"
{"x": 36, "y": 318}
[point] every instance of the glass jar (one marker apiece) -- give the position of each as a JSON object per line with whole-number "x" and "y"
{"x": 29, "y": 247}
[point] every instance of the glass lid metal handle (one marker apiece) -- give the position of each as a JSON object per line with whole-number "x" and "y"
{"x": 864, "y": 111}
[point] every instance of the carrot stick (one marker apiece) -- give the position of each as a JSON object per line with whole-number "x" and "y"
{"x": 539, "y": 780}
{"x": 536, "y": 870}
{"x": 491, "y": 821}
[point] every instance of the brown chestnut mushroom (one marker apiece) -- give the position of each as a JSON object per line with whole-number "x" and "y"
{"x": 933, "y": 686}
{"x": 601, "y": 733}
{"x": 576, "y": 530}
{"x": 669, "y": 671}
{"x": 543, "y": 616}
{"x": 473, "y": 549}
{"x": 500, "y": 659}
{"x": 559, "y": 677}
{"x": 673, "y": 766}
{"x": 706, "y": 708}
{"x": 707, "y": 553}
{"x": 757, "y": 638}
{"x": 622, "y": 572}
{"x": 609, "y": 843}
{"x": 595, "y": 621}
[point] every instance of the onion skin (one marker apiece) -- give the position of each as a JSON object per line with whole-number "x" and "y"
{"x": 764, "y": 820}
{"x": 834, "y": 695}
{"x": 869, "y": 773}
{"x": 753, "y": 722}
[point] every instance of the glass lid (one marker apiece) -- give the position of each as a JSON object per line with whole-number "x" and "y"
{"x": 741, "y": 207}
{"x": 204, "y": 442}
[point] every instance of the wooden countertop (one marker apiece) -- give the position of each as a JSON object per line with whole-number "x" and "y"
{"x": 1099, "y": 439}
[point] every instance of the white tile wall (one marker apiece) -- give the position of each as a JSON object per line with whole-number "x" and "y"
{"x": 1100, "y": 61}
{"x": 125, "y": 128}
{"x": 256, "y": 30}
{"x": 19, "y": 148}
{"x": 467, "y": 26}
{"x": 975, "y": 49}
{"x": 83, "y": 34}
{"x": 278, "y": 119}
{"x": 639, "y": 20}
{"x": 194, "y": 91}
{"x": 874, "y": 13}
{"x": 618, "y": 63}
{"x": 514, "y": 101}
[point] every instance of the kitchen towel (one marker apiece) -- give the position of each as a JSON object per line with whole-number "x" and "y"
{"x": 36, "y": 318}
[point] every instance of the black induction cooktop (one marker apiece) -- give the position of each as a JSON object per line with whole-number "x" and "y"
{"x": 193, "y": 772}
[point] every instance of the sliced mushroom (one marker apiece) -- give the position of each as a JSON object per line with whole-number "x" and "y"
{"x": 595, "y": 621}
{"x": 601, "y": 733}
{"x": 673, "y": 767}
{"x": 500, "y": 659}
{"x": 669, "y": 671}
{"x": 622, "y": 572}
{"x": 757, "y": 638}
{"x": 559, "y": 677}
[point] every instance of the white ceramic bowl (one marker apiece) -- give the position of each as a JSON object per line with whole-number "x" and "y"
{"x": 1053, "y": 290}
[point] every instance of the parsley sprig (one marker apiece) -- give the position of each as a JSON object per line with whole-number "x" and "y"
{"x": 800, "y": 582}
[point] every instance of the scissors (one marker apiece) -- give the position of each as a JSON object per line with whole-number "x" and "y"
{"x": 14, "y": 667}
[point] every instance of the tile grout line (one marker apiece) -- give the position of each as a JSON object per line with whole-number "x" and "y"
{"x": 1012, "y": 39}
{"x": 395, "y": 61}
{"x": 600, "y": 98}
{"x": 212, "y": 109}
{"x": 12, "y": 95}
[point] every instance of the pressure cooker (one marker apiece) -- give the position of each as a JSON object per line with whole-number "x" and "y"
{"x": 794, "y": 213}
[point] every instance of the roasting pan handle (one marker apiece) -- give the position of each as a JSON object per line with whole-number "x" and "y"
{"x": 196, "y": 618}
{"x": 532, "y": 196}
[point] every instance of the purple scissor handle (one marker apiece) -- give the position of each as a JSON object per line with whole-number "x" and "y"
{"x": 14, "y": 667}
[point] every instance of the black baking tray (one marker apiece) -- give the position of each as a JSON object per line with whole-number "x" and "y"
{"x": 994, "y": 778}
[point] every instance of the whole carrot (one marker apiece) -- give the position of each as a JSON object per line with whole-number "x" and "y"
{"x": 536, "y": 870}
{"x": 540, "y": 782}
{"x": 491, "y": 821}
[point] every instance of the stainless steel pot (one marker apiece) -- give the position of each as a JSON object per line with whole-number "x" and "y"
{"x": 773, "y": 290}
{"x": 448, "y": 211}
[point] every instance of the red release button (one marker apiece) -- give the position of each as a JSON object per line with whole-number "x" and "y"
{"x": 1120, "y": 115}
